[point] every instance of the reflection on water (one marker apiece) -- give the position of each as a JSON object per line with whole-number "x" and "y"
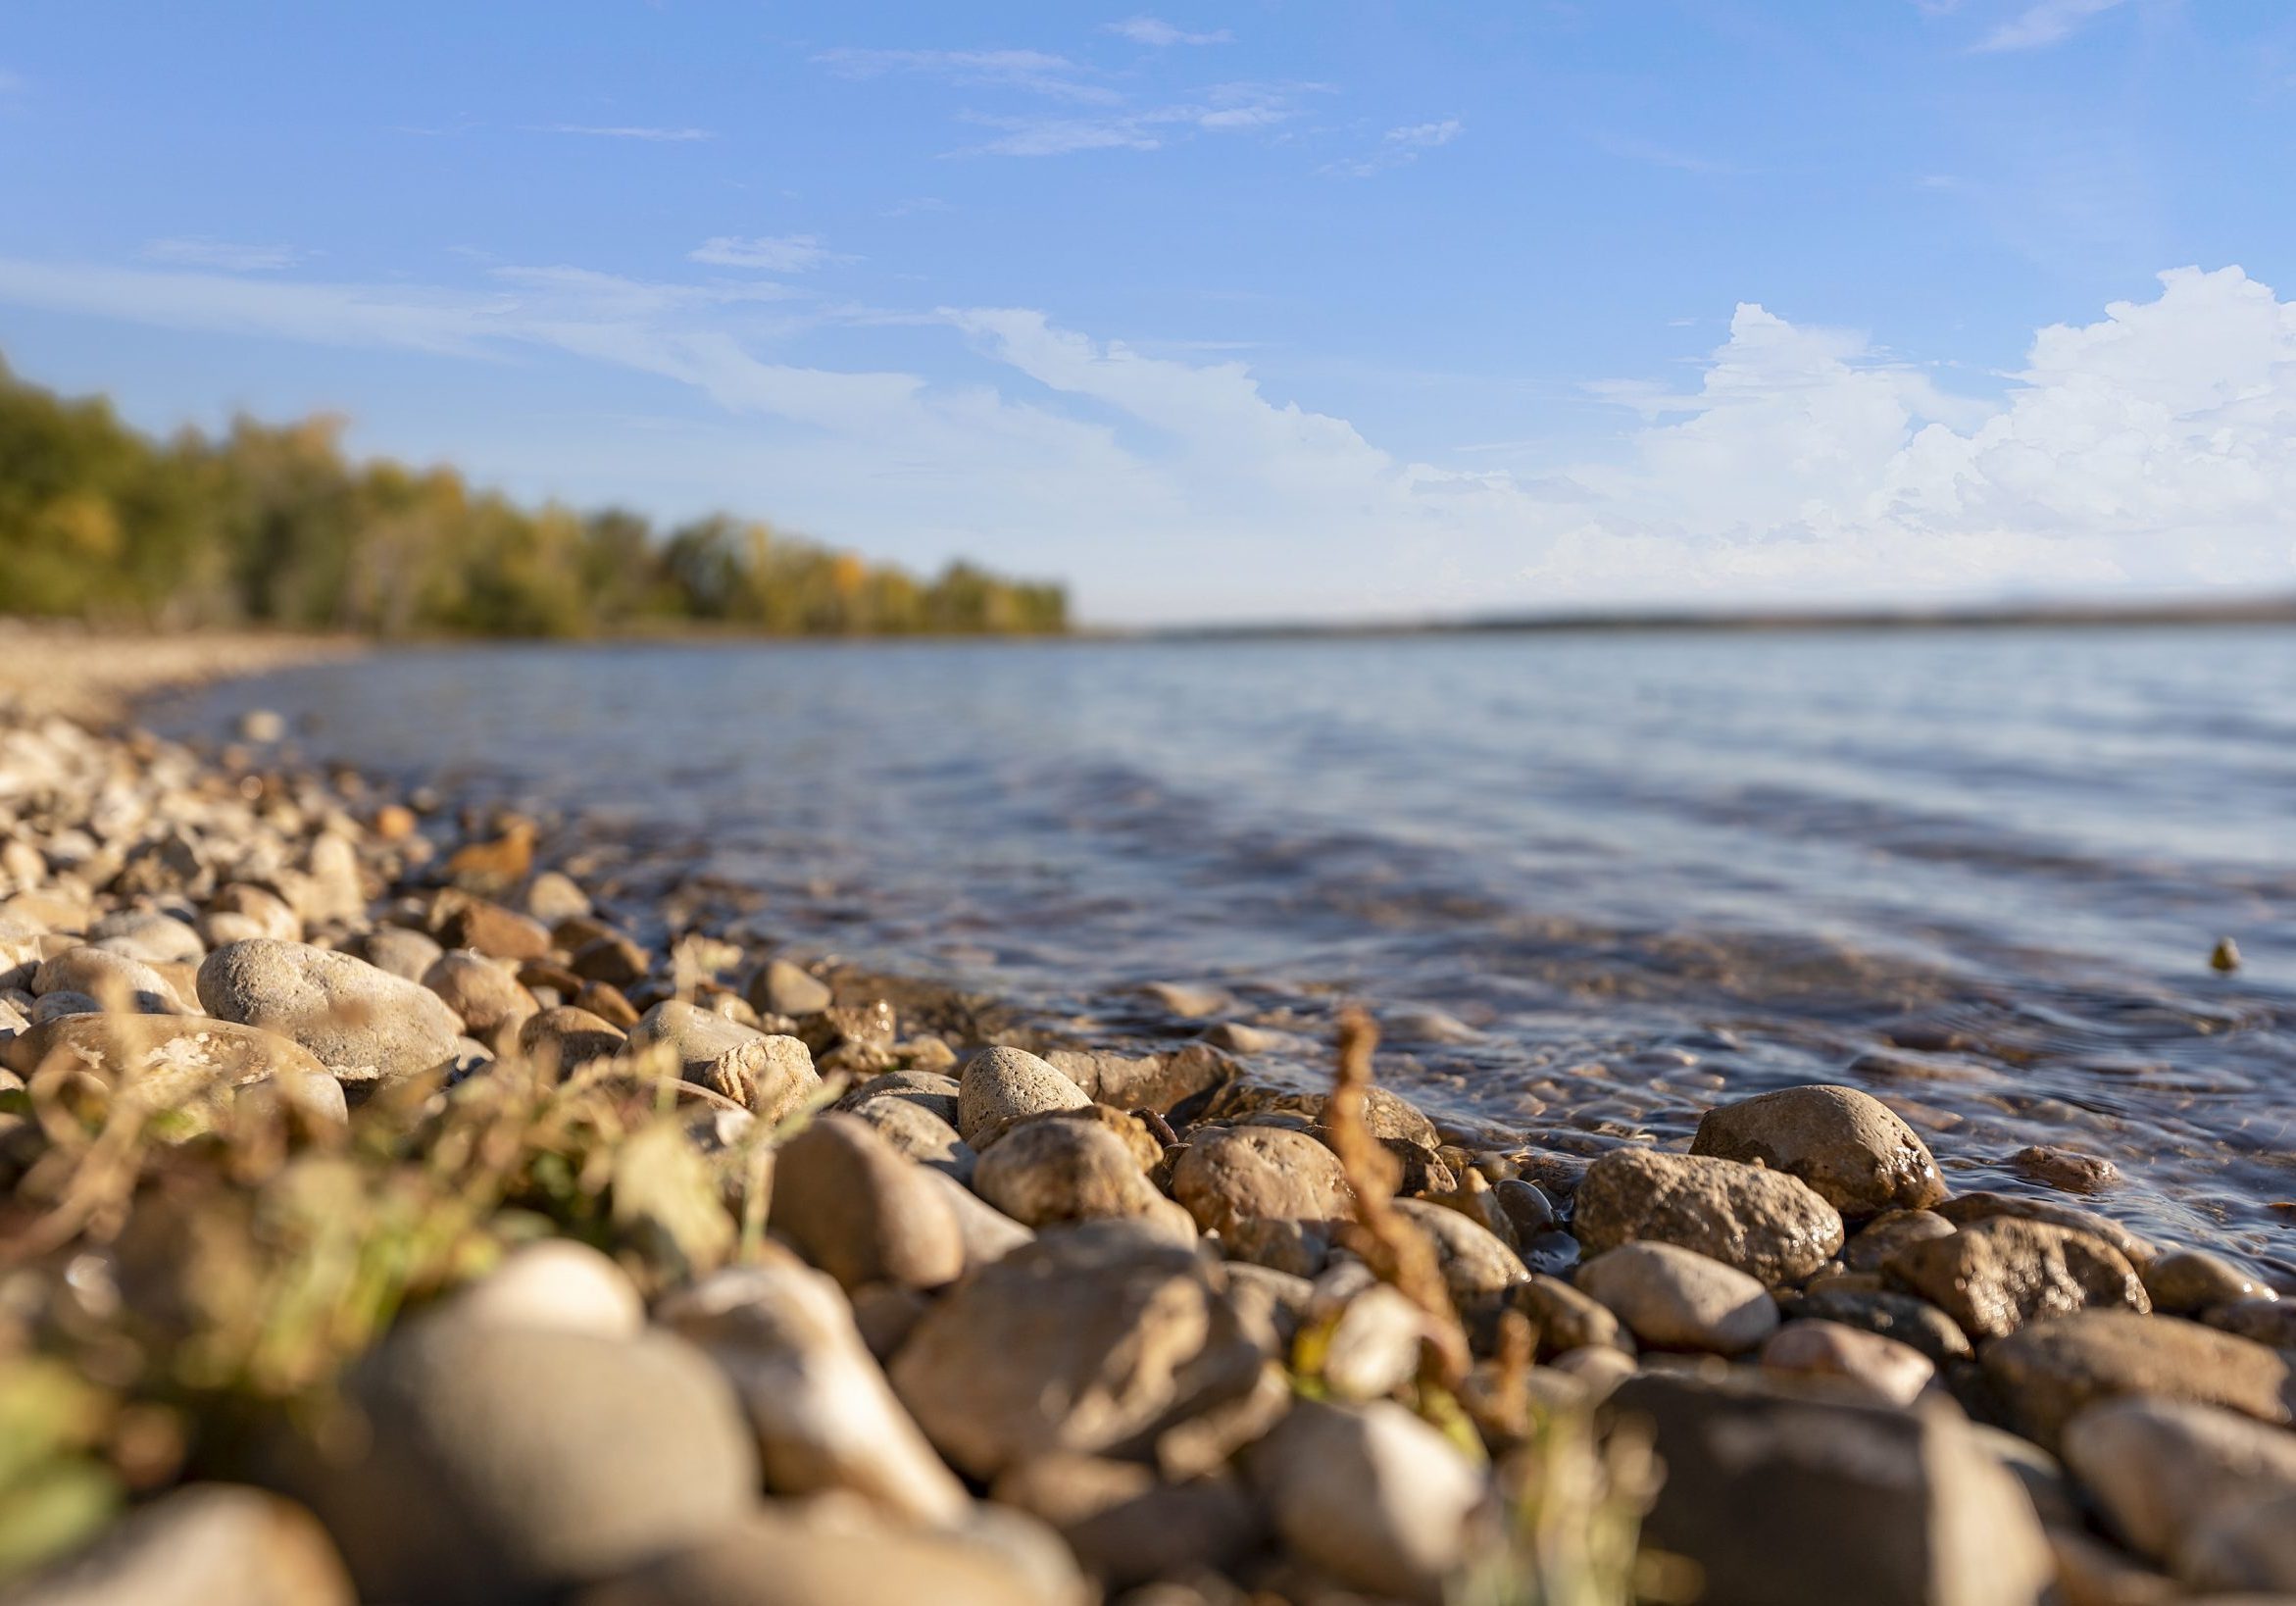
{"x": 1976, "y": 871}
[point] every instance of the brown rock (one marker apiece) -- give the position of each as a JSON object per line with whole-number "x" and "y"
{"x": 1051, "y": 1169}
{"x": 1226, "y": 1175}
{"x": 1568, "y": 1319}
{"x": 771, "y": 1077}
{"x": 1890, "y": 1372}
{"x": 1002, "y": 1086}
{"x": 2066, "y": 1169}
{"x": 460, "y": 921}
{"x": 769, "y": 1557}
{"x": 2048, "y": 1371}
{"x": 1783, "y": 1497}
{"x": 486, "y": 997}
{"x": 1871, "y": 1245}
{"x": 1092, "y": 1339}
{"x": 1476, "y": 1263}
{"x": 1964, "y": 1208}
{"x": 2190, "y": 1281}
{"x": 784, "y": 989}
{"x": 1993, "y": 1277}
{"x": 613, "y": 959}
{"x": 1767, "y": 1224}
{"x": 571, "y": 1037}
{"x": 206, "y": 1544}
{"x": 855, "y": 1207}
{"x": 1849, "y": 1147}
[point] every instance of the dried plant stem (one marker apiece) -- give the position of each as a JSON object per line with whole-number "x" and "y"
{"x": 1397, "y": 1252}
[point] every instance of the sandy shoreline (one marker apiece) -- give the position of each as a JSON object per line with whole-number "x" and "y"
{"x": 98, "y": 676}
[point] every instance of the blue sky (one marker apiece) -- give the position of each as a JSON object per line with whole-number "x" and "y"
{"x": 1227, "y": 310}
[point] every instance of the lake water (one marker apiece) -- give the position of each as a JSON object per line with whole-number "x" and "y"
{"x": 1976, "y": 871}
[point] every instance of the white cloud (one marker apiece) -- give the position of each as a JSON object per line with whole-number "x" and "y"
{"x": 1158, "y": 34}
{"x": 1227, "y": 108}
{"x": 2047, "y": 22}
{"x": 673, "y": 137}
{"x": 198, "y": 251}
{"x": 2153, "y": 447}
{"x": 1399, "y": 148}
{"x": 1034, "y": 71}
{"x": 769, "y": 253}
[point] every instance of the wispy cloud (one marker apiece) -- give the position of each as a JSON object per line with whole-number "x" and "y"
{"x": 916, "y": 204}
{"x": 769, "y": 253}
{"x": 596, "y": 131}
{"x": 194, "y": 251}
{"x": 1227, "y": 108}
{"x": 1653, "y": 154}
{"x": 2050, "y": 22}
{"x": 1035, "y": 71}
{"x": 11, "y": 83}
{"x": 1399, "y": 148}
{"x": 1159, "y": 33}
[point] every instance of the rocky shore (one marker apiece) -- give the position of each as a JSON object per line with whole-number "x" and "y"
{"x": 395, "y": 1213}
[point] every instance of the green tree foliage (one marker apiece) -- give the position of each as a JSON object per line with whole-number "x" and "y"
{"x": 276, "y": 525}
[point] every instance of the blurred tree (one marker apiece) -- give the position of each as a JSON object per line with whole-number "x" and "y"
{"x": 274, "y": 524}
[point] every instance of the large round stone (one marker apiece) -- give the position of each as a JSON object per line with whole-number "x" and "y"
{"x": 1849, "y": 1146}
{"x": 1236, "y": 1174}
{"x": 364, "y": 1024}
{"x": 510, "y": 1465}
{"x": 1767, "y": 1224}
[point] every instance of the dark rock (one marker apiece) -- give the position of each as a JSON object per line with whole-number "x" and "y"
{"x": 1784, "y": 1496}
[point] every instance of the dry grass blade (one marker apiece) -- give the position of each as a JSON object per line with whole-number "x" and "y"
{"x": 1396, "y": 1251}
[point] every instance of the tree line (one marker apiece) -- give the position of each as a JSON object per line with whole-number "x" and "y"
{"x": 276, "y": 526}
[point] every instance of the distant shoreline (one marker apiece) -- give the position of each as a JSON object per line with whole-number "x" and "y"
{"x": 2277, "y": 609}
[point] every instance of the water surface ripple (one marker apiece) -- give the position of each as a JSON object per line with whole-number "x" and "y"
{"x": 1977, "y": 873}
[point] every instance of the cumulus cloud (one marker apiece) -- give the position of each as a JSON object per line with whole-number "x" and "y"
{"x": 2153, "y": 446}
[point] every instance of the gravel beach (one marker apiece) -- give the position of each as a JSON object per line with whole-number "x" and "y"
{"x": 399, "y": 1212}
